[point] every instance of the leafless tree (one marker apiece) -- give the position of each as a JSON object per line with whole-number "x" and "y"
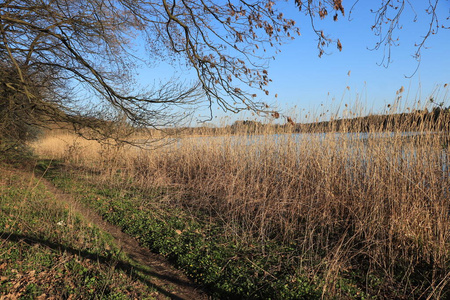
{"x": 59, "y": 53}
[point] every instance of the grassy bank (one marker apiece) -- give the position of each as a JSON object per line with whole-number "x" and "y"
{"x": 282, "y": 216}
{"x": 48, "y": 251}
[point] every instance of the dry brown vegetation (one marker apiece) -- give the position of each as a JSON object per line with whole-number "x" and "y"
{"x": 371, "y": 205}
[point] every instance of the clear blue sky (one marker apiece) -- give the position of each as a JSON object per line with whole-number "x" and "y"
{"x": 303, "y": 81}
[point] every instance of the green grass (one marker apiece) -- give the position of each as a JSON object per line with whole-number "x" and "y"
{"x": 48, "y": 250}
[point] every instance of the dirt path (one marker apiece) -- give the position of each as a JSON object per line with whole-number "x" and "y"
{"x": 170, "y": 282}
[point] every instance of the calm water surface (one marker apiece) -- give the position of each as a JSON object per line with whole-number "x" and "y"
{"x": 355, "y": 147}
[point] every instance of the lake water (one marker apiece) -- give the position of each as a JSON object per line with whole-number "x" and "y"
{"x": 399, "y": 149}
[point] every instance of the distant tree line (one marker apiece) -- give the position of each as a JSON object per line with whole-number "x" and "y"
{"x": 438, "y": 119}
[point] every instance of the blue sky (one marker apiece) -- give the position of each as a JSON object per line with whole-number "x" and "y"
{"x": 308, "y": 84}
{"x": 304, "y": 80}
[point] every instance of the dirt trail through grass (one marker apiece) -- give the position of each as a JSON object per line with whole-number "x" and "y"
{"x": 171, "y": 282}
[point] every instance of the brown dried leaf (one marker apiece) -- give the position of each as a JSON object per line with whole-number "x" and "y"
{"x": 289, "y": 120}
{"x": 339, "y": 45}
{"x": 338, "y": 6}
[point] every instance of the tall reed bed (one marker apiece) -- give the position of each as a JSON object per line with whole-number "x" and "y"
{"x": 373, "y": 206}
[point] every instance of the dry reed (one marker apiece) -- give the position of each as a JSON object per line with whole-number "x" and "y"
{"x": 375, "y": 200}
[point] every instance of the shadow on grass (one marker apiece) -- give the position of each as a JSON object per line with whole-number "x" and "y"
{"x": 124, "y": 266}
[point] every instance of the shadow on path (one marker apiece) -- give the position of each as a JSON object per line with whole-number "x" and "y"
{"x": 161, "y": 284}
